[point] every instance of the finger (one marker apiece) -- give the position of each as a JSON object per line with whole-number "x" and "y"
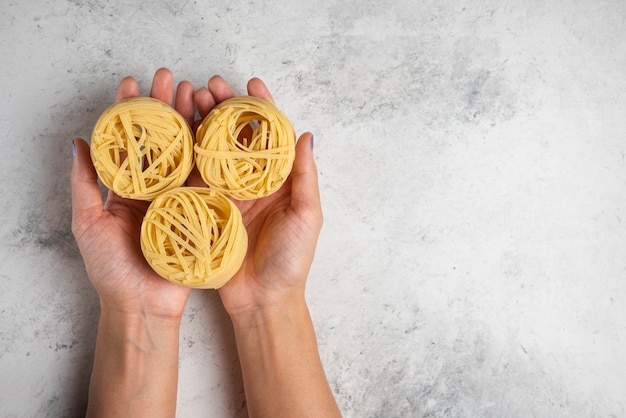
{"x": 257, "y": 88}
{"x": 305, "y": 194}
{"x": 84, "y": 180}
{"x": 204, "y": 101}
{"x": 163, "y": 86}
{"x": 185, "y": 102}
{"x": 220, "y": 89}
{"x": 128, "y": 88}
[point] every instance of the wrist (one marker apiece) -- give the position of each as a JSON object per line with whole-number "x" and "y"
{"x": 135, "y": 336}
{"x": 132, "y": 321}
{"x": 274, "y": 310}
{"x": 138, "y": 311}
{"x": 140, "y": 330}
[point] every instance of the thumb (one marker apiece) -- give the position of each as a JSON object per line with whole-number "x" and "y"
{"x": 86, "y": 197}
{"x": 305, "y": 195}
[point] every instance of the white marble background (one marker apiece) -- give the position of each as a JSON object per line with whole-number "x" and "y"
{"x": 472, "y": 159}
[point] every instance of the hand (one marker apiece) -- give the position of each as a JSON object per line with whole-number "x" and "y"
{"x": 108, "y": 234}
{"x": 282, "y": 228}
{"x": 280, "y": 364}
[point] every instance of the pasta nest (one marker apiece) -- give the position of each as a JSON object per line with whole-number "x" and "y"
{"x": 141, "y": 148}
{"x": 194, "y": 237}
{"x": 245, "y": 147}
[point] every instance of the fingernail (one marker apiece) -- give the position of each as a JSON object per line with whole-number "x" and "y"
{"x": 312, "y": 142}
{"x": 73, "y": 149}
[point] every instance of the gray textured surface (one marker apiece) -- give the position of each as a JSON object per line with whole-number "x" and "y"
{"x": 472, "y": 159}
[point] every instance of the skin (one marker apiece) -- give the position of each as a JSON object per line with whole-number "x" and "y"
{"x": 135, "y": 370}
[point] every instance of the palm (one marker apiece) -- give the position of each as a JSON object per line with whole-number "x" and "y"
{"x": 265, "y": 222}
{"x": 110, "y": 242}
{"x": 118, "y": 269}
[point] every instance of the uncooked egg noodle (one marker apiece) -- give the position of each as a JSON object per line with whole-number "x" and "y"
{"x": 245, "y": 147}
{"x": 141, "y": 148}
{"x": 194, "y": 237}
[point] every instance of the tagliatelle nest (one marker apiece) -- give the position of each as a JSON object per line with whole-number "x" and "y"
{"x": 245, "y": 147}
{"x": 141, "y": 148}
{"x": 194, "y": 237}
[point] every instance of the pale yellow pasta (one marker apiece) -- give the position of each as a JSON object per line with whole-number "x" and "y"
{"x": 142, "y": 147}
{"x": 194, "y": 237}
{"x": 245, "y": 147}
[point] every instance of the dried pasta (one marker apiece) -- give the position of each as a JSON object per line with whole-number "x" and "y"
{"x": 142, "y": 147}
{"x": 245, "y": 147}
{"x": 194, "y": 237}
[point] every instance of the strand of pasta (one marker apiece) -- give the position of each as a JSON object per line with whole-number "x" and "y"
{"x": 142, "y": 147}
{"x": 245, "y": 147}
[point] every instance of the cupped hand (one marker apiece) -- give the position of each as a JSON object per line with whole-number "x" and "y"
{"x": 108, "y": 233}
{"x": 282, "y": 228}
